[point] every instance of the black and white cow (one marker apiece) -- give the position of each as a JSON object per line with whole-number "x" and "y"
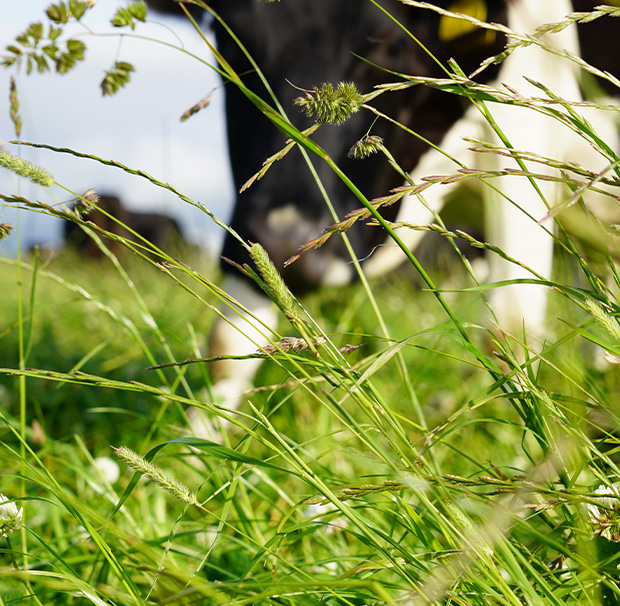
{"x": 299, "y": 44}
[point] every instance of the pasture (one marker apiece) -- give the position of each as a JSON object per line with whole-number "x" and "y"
{"x": 397, "y": 445}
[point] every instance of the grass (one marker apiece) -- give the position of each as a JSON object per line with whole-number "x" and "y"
{"x": 443, "y": 464}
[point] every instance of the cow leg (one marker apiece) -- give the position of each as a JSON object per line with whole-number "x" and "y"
{"x": 238, "y": 334}
{"x": 508, "y": 224}
{"x": 512, "y": 220}
{"x": 421, "y": 210}
{"x": 511, "y": 225}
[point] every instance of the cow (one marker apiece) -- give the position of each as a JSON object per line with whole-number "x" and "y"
{"x": 299, "y": 44}
{"x": 162, "y": 231}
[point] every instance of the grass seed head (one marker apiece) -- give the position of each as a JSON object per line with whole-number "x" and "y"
{"x": 5, "y": 230}
{"x": 293, "y": 345}
{"x": 86, "y": 202}
{"x": 14, "y": 111}
{"x": 603, "y": 319}
{"x": 331, "y": 105}
{"x": 365, "y": 147}
{"x": 473, "y": 533}
{"x": 156, "y": 474}
{"x": 26, "y": 169}
{"x": 278, "y": 290}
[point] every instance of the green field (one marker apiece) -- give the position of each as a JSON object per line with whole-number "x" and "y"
{"x": 420, "y": 455}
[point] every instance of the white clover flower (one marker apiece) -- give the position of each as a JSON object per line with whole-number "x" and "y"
{"x": 10, "y": 516}
{"x": 108, "y": 469}
{"x": 317, "y": 511}
{"x": 605, "y": 514}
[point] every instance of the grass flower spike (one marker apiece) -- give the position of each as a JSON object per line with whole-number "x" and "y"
{"x": 10, "y": 516}
{"x": 292, "y": 344}
{"x": 5, "y": 230}
{"x": 603, "y": 319}
{"x": 278, "y": 290}
{"x": 366, "y": 147}
{"x": 86, "y": 203}
{"x": 605, "y": 516}
{"x": 26, "y": 169}
{"x": 331, "y": 105}
{"x": 156, "y": 474}
{"x": 14, "y": 111}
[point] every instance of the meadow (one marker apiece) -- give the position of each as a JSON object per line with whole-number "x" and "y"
{"x": 409, "y": 451}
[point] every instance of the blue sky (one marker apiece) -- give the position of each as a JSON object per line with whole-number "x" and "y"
{"x": 139, "y": 126}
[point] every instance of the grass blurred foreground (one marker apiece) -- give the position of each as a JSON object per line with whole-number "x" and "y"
{"x": 416, "y": 456}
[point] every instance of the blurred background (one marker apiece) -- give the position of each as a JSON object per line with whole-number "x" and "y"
{"x": 140, "y": 126}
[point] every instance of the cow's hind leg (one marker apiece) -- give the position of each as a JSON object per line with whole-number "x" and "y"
{"x": 422, "y": 209}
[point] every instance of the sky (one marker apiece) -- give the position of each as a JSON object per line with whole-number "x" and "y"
{"x": 139, "y": 126}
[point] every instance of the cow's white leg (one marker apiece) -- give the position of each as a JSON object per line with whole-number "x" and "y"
{"x": 240, "y": 334}
{"x": 412, "y": 209}
{"x": 521, "y": 238}
{"x": 508, "y": 225}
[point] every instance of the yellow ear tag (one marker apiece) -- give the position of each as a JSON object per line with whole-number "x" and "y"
{"x": 451, "y": 28}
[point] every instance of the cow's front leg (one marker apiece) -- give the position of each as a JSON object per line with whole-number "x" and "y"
{"x": 237, "y": 334}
